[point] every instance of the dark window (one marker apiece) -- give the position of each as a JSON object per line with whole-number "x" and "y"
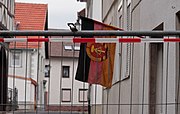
{"x": 120, "y": 21}
{"x": 65, "y": 71}
{"x": 178, "y": 20}
{"x": 47, "y": 71}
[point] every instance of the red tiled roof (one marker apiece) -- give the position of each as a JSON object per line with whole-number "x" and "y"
{"x": 30, "y": 16}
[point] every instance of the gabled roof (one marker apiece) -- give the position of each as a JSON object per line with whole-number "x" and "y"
{"x": 30, "y": 16}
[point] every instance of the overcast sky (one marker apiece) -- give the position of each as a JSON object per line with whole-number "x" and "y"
{"x": 60, "y": 11}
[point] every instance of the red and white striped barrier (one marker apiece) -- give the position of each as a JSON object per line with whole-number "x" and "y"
{"x": 93, "y": 40}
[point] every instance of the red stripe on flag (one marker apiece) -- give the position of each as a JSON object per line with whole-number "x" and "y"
{"x": 38, "y": 39}
{"x": 83, "y": 40}
{"x": 133, "y": 40}
{"x": 172, "y": 40}
{"x": 1, "y": 39}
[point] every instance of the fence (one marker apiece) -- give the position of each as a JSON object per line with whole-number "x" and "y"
{"x": 42, "y": 65}
{"x": 12, "y": 99}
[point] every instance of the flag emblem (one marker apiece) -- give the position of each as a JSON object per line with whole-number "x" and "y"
{"x": 97, "y": 51}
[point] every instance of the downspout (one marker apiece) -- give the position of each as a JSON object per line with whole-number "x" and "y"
{"x": 33, "y": 82}
{"x": 35, "y": 89}
{"x": 89, "y": 99}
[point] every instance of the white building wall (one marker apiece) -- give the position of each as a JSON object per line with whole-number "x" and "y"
{"x": 57, "y": 82}
{"x": 31, "y": 67}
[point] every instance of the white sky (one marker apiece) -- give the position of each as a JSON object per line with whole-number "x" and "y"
{"x": 60, "y": 11}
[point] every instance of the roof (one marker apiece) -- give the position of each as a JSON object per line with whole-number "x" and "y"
{"x": 82, "y": 12}
{"x": 30, "y": 16}
{"x": 82, "y": 0}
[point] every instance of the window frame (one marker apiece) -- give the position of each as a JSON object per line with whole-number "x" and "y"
{"x": 68, "y": 47}
{"x": 66, "y": 89}
{"x": 85, "y": 96}
{"x": 63, "y": 68}
{"x": 126, "y": 60}
{"x": 47, "y": 71}
{"x": 12, "y": 61}
{"x": 76, "y": 48}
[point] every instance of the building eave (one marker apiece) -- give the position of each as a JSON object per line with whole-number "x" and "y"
{"x": 82, "y": 0}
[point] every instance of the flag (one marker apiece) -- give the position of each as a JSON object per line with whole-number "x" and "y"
{"x": 96, "y": 60}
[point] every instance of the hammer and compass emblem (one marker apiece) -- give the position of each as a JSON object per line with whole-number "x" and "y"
{"x": 97, "y": 51}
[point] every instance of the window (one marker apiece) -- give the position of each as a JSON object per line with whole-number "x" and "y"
{"x": 16, "y": 59}
{"x": 9, "y": 5}
{"x": 46, "y": 71}
{"x": 12, "y": 6}
{"x": 120, "y": 13}
{"x": 71, "y": 48}
{"x": 76, "y": 48}
{"x": 125, "y": 60}
{"x": 120, "y": 21}
{"x": 68, "y": 48}
{"x": 65, "y": 71}
{"x": 178, "y": 20}
{"x": 128, "y": 59}
{"x": 83, "y": 93}
{"x": 66, "y": 95}
{"x": 129, "y": 17}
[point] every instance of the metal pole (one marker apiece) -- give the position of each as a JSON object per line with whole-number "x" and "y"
{"x": 85, "y": 33}
{"x": 89, "y": 99}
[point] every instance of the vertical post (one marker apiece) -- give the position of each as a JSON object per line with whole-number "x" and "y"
{"x": 3, "y": 79}
{"x": 89, "y": 99}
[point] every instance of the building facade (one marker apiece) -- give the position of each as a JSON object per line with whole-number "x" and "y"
{"x": 7, "y": 14}
{"x": 26, "y": 60}
{"x": 6, "y": 23}
{"x": 147, "y": 73}
{"x": 65, "y": 93}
